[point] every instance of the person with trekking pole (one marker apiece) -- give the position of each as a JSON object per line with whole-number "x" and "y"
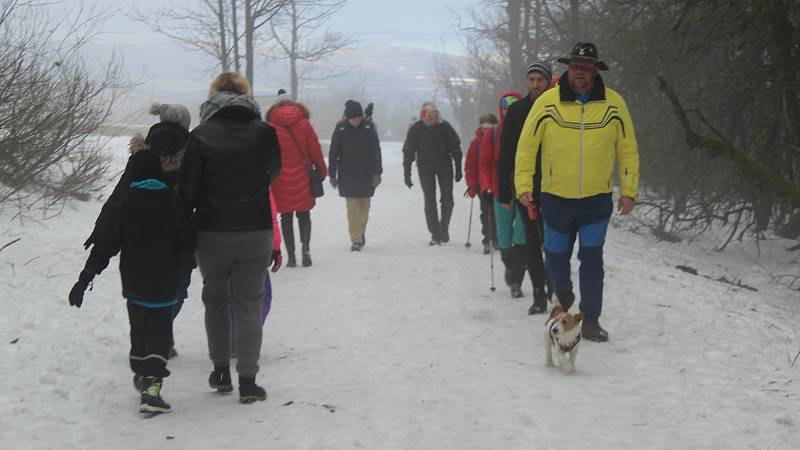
{"x": 472, "y": 176}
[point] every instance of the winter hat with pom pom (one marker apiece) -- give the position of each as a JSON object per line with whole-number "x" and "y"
{"x": 174, "y": 113}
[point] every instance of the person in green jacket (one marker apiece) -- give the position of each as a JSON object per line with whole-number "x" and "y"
{"x": 582, "y": 129}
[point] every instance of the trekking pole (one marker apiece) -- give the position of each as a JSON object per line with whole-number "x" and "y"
{"x": 469, "y": 227}
{"x": 491, "y": 250}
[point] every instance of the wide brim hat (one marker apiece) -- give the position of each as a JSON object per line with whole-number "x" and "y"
{"x": 584, "y": 52}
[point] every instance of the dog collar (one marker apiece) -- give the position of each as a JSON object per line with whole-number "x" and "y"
{"x": 572, "y": 346}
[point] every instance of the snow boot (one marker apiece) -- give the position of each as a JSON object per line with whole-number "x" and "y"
{"x": 516, "y": 290}
{"x": 592, "y": 331}
{"x": 137, "y": 382}
{"x": 306, "y": 259}
{"x": 356, "y": 247}
{"x": 539, "y": 305}
{"x": 291, "y": 261}
{"x": 249, "y": 391}
{"x": 151, "y": 402}
{"x": 220, "y": 379}
{"x": 486, "y": 248}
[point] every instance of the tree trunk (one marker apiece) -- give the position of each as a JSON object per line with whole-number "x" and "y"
{"x": 295, "y": 82}
{"x": 235, "y": 37}
{"x": 515, "y": 55}
{"x": 223, "y": 46}
{"x": 575, "y": 21}
{"x": 248, "y": 40}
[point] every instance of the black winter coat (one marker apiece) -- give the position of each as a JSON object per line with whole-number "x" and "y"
{"x": 432, "y": 147}
{"x": 230, "y": 161}
{"x": 512, "y": 129}
{"x": 354, "y": 158}
{"x": 168, "y": 141}
{"x": 151, "y": 231}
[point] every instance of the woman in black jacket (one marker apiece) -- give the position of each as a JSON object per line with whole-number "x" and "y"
{"x": 354, "y": 166}
{"x": 231, "y": 159}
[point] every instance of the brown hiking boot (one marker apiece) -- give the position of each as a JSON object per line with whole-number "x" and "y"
{"x": 591, "y": 330}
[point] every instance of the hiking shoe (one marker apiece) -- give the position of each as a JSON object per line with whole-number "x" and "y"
{"x": 220, "y": 379}
{"x": 591, "y": 330}
{"x": 137, "y": 382}
{"x": 516, "y": 290}
{"x": 306, "y": 259}
{"x": 291, "y": 261}
{"x": 356, "y": 247}
{"x": 539, "y": 305}
{"x": 249, "y": 391}
{"x": 445, "y": 237}
{"x": 433, "y": 242}
{"x": 151, "y": 401}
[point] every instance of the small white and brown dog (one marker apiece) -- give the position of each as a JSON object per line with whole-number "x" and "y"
{"x": 563, "y": 337}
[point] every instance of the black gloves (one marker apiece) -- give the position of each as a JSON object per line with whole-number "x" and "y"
{"x": 407, "y": 180}
{"x": 76, "y": 294}
{"x": 277, "y": 259}
{"x": 334, "y": 183}
{"x": 458, "y": 173}
{"x": 368, "y": 110}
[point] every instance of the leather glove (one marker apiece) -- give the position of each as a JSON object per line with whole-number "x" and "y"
{"x": 76, "y": 293}
{"x": 277, "y": 260}
{"x": 376, "y": 180}
{"x": 334, "y": 183}
{"x": 407, "y": 180}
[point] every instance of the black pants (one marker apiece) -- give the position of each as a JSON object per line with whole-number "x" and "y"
{"x": 151, "y": 333}
{"x": 287, "y": 228}
{"x": 428, "y": 178}
{"x": 534, "y": 232}
{"x": 488, "y": 226}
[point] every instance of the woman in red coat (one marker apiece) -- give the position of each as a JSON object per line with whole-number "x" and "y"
{"x": 292, "y": 189}
{"x": 472, "y": 175}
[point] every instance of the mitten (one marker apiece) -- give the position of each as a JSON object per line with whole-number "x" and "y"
{"x": 76, "y": 293}
{"x": 277, "y": 260}
{"x": 407, "y": 180}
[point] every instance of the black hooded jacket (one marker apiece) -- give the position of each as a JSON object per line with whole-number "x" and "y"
{"x": 354, "y": 158}
{"x": 150, "y": 230}
{"x": 230, "y": 161}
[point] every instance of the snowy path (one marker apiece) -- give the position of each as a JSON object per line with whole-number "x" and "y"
{"x": 403, "y": 346}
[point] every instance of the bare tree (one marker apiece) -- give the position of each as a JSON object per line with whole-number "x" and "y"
{"x": 302, "y": 34}
{"x": 213, "y": 29}
{"x": 50, "y": 106}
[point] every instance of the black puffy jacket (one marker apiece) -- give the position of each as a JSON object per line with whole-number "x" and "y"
{"x": 354, "y": 158}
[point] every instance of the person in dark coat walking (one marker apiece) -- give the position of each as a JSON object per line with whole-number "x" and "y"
{"x": 231, "y": 159}
{"x": 150, "y": 230}
{"x": 354, "y": 167}
{"x": 167, "y": 139}
{"x": 539, "y": 76}
{"x": 435, "y": 146}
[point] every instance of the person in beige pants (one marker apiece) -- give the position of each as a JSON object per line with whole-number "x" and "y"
{"x": 354, "y": 166}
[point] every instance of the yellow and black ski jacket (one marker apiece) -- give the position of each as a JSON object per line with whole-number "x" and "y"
{"x": 579, "y": 143}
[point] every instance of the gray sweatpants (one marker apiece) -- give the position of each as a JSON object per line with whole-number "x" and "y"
{"x": 233, "y": 265}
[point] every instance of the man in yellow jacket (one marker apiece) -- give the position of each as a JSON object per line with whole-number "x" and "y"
{"x": 581, "y": 128}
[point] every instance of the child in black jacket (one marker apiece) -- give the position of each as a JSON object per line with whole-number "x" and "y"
{"x": 151, "y": 231}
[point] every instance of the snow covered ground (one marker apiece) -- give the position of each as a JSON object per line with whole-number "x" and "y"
{"x": 403, "y": 346}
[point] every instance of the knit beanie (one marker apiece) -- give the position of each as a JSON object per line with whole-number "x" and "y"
{"x": 282, "y": 95}
{"x": 172, "y": 113}
{"x": 352, "y": 109}
{"x": 144, "y": 165}
{"x": 542, "y": 68}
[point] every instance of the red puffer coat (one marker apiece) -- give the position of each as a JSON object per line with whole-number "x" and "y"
{"x": 490, "y": 150}
{"x": 291, "y": 189}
